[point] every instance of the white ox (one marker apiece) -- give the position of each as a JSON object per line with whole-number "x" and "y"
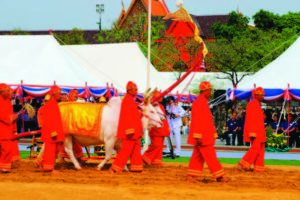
{"x": 152, "y": 117}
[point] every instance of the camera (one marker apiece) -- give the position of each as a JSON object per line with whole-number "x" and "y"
{"x": 172, "y": 115}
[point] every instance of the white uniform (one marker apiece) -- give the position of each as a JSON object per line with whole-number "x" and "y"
{"x": 175, "y": 125}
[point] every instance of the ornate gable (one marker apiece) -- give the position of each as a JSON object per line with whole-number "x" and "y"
{"x": 137, "y": 7}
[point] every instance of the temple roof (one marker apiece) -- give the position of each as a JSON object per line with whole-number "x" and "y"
{"x": 159, "y": 8}
{"x": 205, "y": 22}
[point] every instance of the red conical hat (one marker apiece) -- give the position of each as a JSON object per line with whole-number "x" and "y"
{"x": 205, "y": 85}
{"x": 130, "y": 85}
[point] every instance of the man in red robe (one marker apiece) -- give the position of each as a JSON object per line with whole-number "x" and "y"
{"x": 52, "y": 130}
{"x": 130, "y": 131}
{"x": 15, "y": 146}
{"x": 153, "y": 156}
{"x": 77, "y": 149}
{"x": 202, "y": 135}
{"x": 7, "y": 119}
{"x": 255, "y": 133}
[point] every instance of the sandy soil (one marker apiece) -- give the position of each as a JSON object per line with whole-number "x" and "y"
{"x": 168, "y": 182}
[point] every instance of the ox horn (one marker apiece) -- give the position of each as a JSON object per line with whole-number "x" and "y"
{"x": 150, "y": 95}
{"x": 147, "y": 96}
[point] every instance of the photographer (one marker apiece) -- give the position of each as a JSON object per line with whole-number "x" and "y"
{"x": 175, "y": 112}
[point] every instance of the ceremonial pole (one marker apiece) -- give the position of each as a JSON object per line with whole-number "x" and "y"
{"x": 146, "y": 134}
{"x": 149, "y": 43}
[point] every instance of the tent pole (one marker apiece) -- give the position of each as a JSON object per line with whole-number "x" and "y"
{"x": 23, "y": 103}
{"x": 289, "y": 104}
{"x": 149, "y": 43}
{"x": 288, "y": 140}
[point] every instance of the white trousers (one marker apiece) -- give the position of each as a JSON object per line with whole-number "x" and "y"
{"x": 175, "y": 135}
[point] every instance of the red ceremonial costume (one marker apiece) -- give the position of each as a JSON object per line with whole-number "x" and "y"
{"x": 202, "y": 135}
{"x": 15, "y": 147}
{"x": 77, "y": 148}
{"x": 6, "y": 131}
{"x": 52, "y": 131}
{"x": 255, "y": 133}
{"x": 130, "y": 131}
{"x": 157, "y": 135}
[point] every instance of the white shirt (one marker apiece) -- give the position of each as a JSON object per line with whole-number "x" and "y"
{"x": 177, "y": 110}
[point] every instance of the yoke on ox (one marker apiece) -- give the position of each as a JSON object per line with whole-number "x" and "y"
{"x": 94, "y": 124}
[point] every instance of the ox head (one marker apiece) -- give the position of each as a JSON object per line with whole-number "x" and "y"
{"x": 159, "y": 111}
{"x": 151, "y": 114}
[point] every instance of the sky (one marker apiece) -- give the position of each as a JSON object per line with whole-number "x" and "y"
{"x": 68, "y": 14}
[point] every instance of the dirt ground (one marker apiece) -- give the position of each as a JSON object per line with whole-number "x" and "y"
{"x": 168, "y": 182}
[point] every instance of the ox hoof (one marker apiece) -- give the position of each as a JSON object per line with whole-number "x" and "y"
{"x": 126, "y": 169}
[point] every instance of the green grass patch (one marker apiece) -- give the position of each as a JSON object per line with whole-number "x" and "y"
{"x": 25, "y": 154}
{"x": 236, "y": 160}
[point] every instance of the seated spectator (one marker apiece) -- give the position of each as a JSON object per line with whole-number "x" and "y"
{"x": 231, "y": 128}
{"x": 290, "y": 128}
{"x": 240, "y": 132}
{"x": 266, "y": 121}
{"x": 274, "y": 123}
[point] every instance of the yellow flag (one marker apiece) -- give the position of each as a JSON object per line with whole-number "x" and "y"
{"x": 183, "y": 15}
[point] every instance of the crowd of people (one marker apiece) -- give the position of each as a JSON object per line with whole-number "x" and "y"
{"x": 288, "y": 125}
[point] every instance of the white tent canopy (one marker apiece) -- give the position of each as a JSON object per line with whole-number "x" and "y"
{"x": 123, "y": 62}
{"x": 40, "y": 60}
{"x": 219, "y": 80}
{"x": 120, "y": 63}
{"x": 280, "y": 73}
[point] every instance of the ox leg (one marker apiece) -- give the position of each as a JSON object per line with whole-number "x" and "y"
{"x": 40, "y": 156}
{"x": 109, "y": 146}
{"x": 69, "y": 150}
{"x": 147, "y": 140}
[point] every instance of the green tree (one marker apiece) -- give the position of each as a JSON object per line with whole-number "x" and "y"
{"x": 136, "y": 32}
{"x": 290, "y": 20}
{"x": 247, "y": 52}
{"x": 18, "y": 31}
{"x": 165, "y": 55}
{"x": 235, "y": 26}
{"x": 265, "y": 20}
{"x": 75, "y": 36}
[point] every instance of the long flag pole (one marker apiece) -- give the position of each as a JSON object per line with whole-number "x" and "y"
{"x": 146, "y": 135}
{"x": 149, "y": 42}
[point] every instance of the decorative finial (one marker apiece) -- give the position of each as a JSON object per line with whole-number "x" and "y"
{"x": 179, "y": 3}
{"x": 123, "y": 7}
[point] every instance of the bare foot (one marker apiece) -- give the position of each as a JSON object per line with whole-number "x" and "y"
{"x": 240, "y": 168}
{"x": 111, "y": 171}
